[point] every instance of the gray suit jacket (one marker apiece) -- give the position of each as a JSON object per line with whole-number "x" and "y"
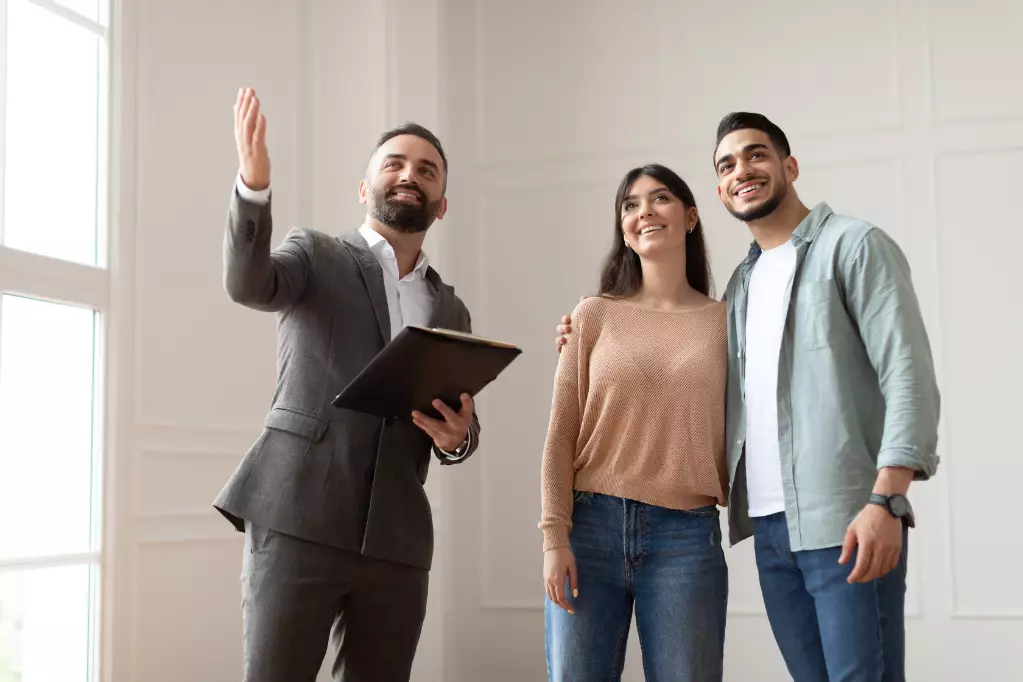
{"x": 332, "y": 476}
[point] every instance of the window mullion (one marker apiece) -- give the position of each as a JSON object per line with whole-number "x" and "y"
{"x": 52, "y": 279}
{"x": 54, "y": 561}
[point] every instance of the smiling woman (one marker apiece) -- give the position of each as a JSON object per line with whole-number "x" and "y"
{"x": 650, "y": 350}
{"x": 648, "y": 197}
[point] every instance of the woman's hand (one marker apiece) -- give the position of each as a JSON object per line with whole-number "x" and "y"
{"x": 557, "y": 563}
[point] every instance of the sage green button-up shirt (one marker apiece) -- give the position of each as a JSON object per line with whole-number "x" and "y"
{"x": 856, "y": 384}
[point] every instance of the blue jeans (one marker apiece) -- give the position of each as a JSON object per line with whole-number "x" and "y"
{"x": 827, "y": 629}
{"x": 670, "y": 565}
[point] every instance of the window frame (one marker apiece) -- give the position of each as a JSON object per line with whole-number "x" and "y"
{"x": 91, "y": 287}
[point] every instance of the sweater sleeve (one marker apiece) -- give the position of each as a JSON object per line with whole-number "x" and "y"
{"x": 557, "y": 476}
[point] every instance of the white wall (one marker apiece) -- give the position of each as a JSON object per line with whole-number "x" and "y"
{"x": 901, "y": 112}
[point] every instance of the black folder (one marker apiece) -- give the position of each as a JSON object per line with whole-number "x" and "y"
{"x": 421, "y": 364}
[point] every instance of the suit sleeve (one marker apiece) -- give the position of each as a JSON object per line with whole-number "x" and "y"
{"x": 473, "y": 438}
{"x": 255, "y": 276}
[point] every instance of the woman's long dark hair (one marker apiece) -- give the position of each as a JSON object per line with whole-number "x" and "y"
{"x": 622, "y": 275}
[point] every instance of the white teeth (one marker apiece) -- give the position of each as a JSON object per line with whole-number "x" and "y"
{"x": 746, "y": 190}
{"x": 651, "y": 228}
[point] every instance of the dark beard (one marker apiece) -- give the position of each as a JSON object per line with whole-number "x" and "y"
{"x": 763, "y": 210}
{"x": 408, "y": 218}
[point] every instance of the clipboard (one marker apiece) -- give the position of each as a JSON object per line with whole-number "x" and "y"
{"x": 422, "y": 364}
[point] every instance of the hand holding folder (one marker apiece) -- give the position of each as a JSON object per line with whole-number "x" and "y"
{"x": 421, "y": 365}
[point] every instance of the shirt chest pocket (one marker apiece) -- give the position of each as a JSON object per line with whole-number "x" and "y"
{"x": 821, "y": 320}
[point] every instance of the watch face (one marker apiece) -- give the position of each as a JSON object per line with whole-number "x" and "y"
{"x": 899, "y": 505}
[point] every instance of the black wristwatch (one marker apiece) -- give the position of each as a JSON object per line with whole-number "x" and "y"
{"x": 897, "y": 505}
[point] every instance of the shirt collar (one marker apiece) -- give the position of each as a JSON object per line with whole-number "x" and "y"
{"x": 381, "y": 249}
{"x": 806, "y": 230}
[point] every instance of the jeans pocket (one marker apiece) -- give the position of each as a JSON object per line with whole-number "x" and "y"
{"x": 581, "y": 496}
{"x": 708, "y": 512}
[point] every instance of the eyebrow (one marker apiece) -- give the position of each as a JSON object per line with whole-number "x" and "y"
{"x": 402, "y": 157}
{"x": 745, "y": 150}
{"x": 632, "y": 197}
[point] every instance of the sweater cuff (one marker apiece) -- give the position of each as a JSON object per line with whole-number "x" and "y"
{"x": 554, "y": 537}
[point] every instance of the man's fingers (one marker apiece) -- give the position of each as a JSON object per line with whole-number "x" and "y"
{"x": 247, "y": 99}
{"x": 238, "y": 105}
{"x": 467, "y": 406}
{"x": 893, "y": 561}
{"x": 848, "y": 545}
{"x": 259, "y": 136}
{"x": 431, "y": 430}
{"x": 251, "y": 118}
{"x": 445, "y": 411}
{"x": 877, "y": 567}
{"x": 864, "y": 559}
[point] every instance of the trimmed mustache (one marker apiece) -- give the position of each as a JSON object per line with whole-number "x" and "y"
{"x": 413, "y": 189}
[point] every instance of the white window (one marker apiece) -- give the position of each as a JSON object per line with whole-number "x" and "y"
{"x": 54, "y": 304}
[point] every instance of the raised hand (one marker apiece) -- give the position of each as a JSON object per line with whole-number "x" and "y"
{"x": 250, "y": 137}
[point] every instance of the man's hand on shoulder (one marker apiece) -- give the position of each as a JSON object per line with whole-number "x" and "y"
{"x": 250, "y": 138}
{"x": 565, "y": 328}
{"x": 452, "y": 432}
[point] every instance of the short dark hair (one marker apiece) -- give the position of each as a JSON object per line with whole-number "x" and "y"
{"x": 744, "y": 120}
{"x": 410, "y": 128}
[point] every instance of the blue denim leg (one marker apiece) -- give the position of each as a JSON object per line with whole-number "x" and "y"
{"x": 590, "y": 645}
{"x": 680, "y": 579}
{"x": 790, "y": 608}
{"x": 860, "y": 629}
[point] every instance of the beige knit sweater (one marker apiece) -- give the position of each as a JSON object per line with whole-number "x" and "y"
{"x": 638, "y": 411}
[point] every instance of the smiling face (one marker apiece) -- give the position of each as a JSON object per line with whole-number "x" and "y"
{"x": 404, "y": 184}
{"x": 753, "y": 177}
{"x": 654, "y": 220}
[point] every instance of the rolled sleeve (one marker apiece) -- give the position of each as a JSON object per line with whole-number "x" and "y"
{"x": 883, "y": 303}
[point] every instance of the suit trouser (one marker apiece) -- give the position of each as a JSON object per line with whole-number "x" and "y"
{"x": 298, "y": 595}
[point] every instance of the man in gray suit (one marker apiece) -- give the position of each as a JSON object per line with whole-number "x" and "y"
{"x": 338, "y": 528}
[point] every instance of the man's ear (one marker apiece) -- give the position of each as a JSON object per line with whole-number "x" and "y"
{"x": 443, "y": 208}
{"x": 362, "y": 191}
{"x": 792, "y": 168}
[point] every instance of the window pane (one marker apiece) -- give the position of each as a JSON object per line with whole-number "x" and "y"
{"x": 52, "y": 136}
{"x": 46, "y": 624}
{"x": 88, "y": 9}
{"x": 46, "y": 428}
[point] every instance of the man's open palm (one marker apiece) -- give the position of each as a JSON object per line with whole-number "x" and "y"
{"x": 250, "y": 136}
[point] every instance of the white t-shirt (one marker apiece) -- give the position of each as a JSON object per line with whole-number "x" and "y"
{"x": 765, "y": 323}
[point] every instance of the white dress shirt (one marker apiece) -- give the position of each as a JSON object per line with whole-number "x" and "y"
{"x": 409, "y": 299}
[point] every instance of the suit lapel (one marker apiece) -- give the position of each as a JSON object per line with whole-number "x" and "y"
{"x": 440, "y": 314}
{"x": 373, "y": 276}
